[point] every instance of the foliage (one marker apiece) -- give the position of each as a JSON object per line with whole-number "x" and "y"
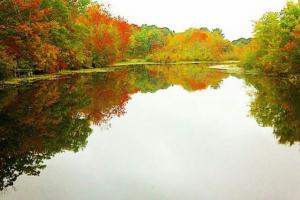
{"x": 147, "y": 39}
{"x": 193, "y": 45}
{"x": 241, "y": 41}
{"x": 276, "y": 42}
{"x": 7, "y": 64}
{"x": 50, "y": 35}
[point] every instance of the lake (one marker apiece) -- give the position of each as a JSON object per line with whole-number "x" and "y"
{"x": 151, "y": 132}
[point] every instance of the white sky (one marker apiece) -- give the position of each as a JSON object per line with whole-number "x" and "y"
{"x": 235, "y": 17}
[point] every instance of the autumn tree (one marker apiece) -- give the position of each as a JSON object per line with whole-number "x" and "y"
{"x": 276, "y": 36}
{"x": 147, "y": 39}
{"x": 50, "y": 35}
{"x": 193, "y": 45}
{"x": 108, "y": 36}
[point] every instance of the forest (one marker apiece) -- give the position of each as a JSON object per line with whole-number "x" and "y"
{"x": 46, "y": 36}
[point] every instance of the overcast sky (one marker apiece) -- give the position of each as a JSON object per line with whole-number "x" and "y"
{"x": 235, "y": 17}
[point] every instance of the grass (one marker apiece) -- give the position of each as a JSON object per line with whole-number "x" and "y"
{"x": 133, "y": 62}
{"x": 86, "y": 71}
{"x": 21, "y": 80}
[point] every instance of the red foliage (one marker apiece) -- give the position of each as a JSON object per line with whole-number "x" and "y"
{"x": 125, "y": 31}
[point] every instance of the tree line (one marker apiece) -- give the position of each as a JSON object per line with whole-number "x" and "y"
{"x": 47, "y": 36}
{"x": 51, "y": 35}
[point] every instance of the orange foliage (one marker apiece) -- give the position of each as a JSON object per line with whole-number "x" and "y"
{"x": 44, "y": 55}
{"x": 97, "y": 15}
{"x": 290, "y": 45}
{"x": 125, "y": 29}
{"x": 109, "y": 36}
{"x": 28, "y": 5}
{"x": 107, "y": 100}
{"x": 199, "y": 36}
{"x": 197, "y": 85}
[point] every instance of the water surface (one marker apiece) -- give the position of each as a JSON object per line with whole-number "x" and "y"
{"x": 172, "y": 132}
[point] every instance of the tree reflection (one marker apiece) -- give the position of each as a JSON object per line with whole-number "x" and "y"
{"x": 38, "y": 123}
{"x": 276, "y": 104}
{"x": 46, "y": 118}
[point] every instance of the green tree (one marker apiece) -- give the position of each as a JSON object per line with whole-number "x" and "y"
{"x": 147, "y": 39}
{"x": 276, "y": 37}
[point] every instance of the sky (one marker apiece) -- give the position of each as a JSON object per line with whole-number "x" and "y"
{"x": 235, "y": 17}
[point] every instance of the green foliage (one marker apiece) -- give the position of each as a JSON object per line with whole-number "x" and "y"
{"x": 276, "y": 36}
{"x": 218, "y": 31}
{"x": 147, "y": 39}
{"x": 7, "y": 64}
{"x": 241, "y": 41}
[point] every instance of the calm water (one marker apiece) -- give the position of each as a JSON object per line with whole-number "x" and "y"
{"x": 173, "y": 132}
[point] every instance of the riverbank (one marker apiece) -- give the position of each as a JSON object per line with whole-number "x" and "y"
{"x": 29, "y": 79}
{"x": 144, "y": 62}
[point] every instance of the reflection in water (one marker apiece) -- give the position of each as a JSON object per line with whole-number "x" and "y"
{"x": 276, "y": 104}
{"x": 36, "y": 124}
{"x": 46, "y": 118}
{"x": 39, "y": 121}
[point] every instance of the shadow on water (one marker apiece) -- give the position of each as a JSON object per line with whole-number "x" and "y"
{"x": 46, "y": 118}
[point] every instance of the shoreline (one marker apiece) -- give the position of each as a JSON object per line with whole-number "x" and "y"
{"x": 225, "y": 66}
{"x": 129, "y": 63}
{"x": 30, "y": 79}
